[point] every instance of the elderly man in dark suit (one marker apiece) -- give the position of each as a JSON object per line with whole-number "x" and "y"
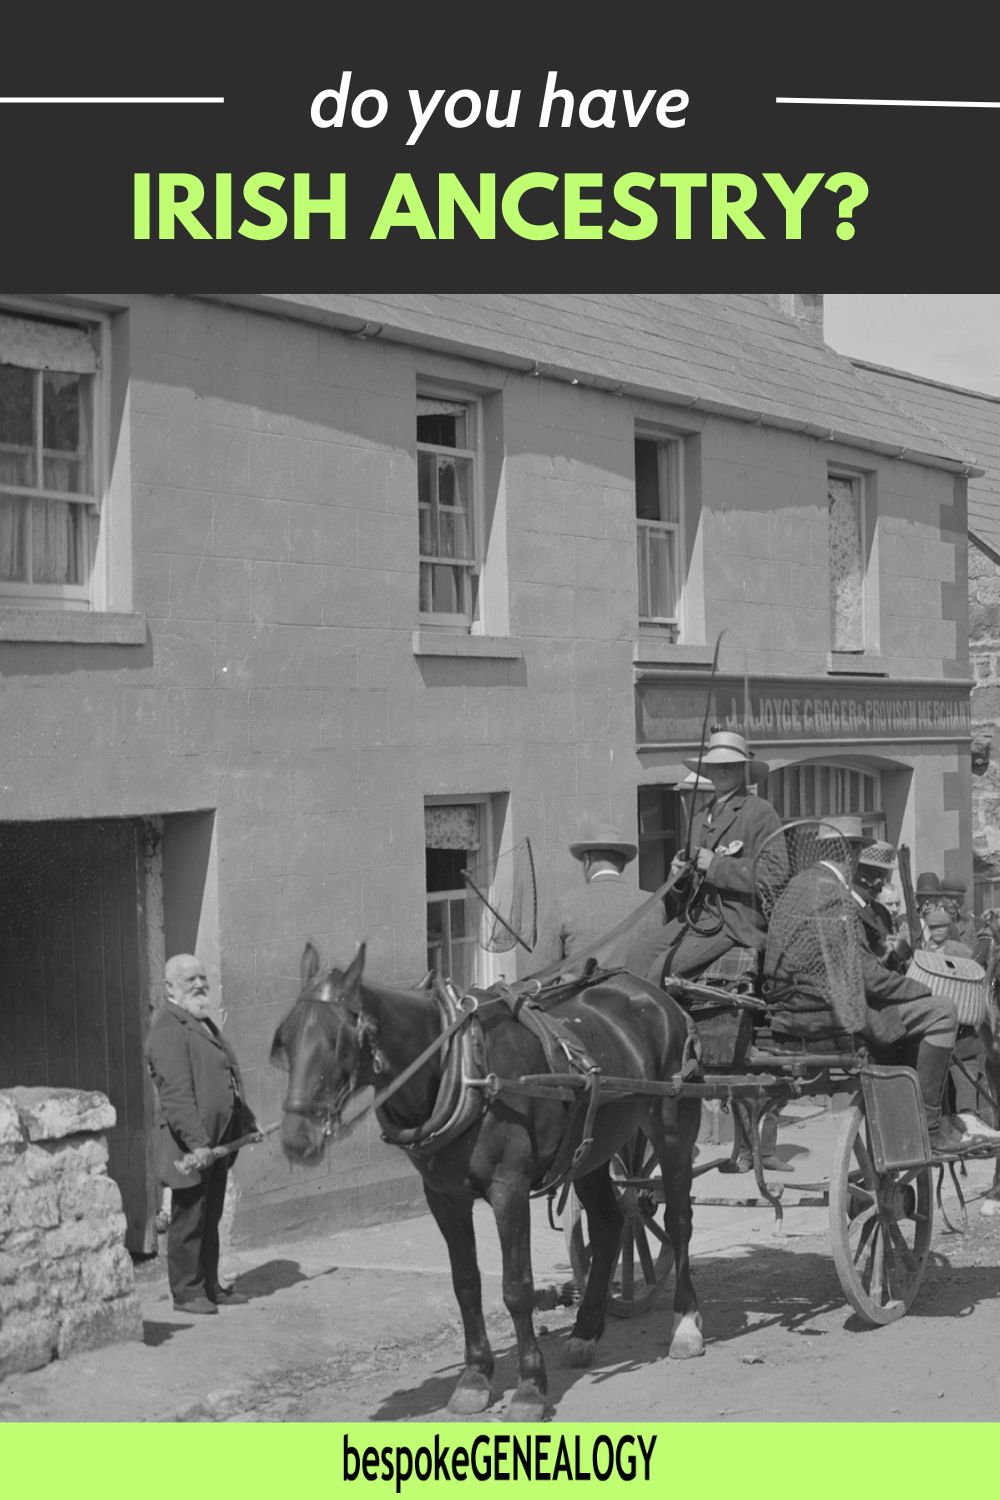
{"x": 576, "y": 922}
{"x": 717, "y": 904}
{"x": 200, "y": 1105}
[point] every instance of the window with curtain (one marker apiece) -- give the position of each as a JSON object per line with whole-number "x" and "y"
{"x": 48, "y": 483}
{"x": 453, "y": 836}
{"x": 847, "y": 562}
{"x": 658, "y": 533}
{"x": 446, "y": 494}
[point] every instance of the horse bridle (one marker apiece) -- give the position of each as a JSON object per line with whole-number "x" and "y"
{"x": 327, "y": 1105}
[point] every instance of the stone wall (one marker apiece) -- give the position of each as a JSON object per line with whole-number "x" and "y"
{"x": 66, "y": 1279}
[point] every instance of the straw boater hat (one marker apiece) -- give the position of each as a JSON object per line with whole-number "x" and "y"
{"x": 878, "y": 854}
{"x": 604, "y": 836}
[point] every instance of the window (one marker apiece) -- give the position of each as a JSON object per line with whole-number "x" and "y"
{"x": 848, "y": 562}
{"x": 50, "y": 483}
{"x": 812, "y": 790}
{"x": 454, "y": 839}
{"x": 659, "y": 539}
{"x": 447, "y": 479}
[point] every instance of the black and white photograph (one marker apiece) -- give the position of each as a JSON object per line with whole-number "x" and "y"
{"x": 499, "y": 856}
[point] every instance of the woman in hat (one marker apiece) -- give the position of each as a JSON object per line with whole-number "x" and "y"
{"x": 718, "y": 908}
{"x": 576, "y": 922}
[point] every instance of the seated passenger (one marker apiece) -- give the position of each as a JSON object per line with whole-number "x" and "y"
{"x": 717, "y": 906}
{"x": 822, "y": 980}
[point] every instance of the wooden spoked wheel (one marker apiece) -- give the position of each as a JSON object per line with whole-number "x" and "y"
{"x": 647, "y": 1256}
{"x": 880, "y": 1226}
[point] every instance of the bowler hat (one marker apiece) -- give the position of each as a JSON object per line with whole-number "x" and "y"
{"x": 954, "y": 888}
{"x": 928, "y": 884}
{"x": 938, "y": 917}
{"x": 604, "y": 836}
{"x": 724, "y": 748}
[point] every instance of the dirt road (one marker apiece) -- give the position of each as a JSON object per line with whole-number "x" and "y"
{"x": 363, "y": 1326}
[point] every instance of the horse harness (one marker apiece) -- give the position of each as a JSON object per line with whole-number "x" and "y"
{"x": 467, "y": 1088}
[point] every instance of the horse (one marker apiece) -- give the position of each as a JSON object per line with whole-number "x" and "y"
{"x": 345, "y": 1033}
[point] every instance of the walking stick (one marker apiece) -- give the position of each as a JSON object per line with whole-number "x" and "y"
{"x": 189, "y": 1163}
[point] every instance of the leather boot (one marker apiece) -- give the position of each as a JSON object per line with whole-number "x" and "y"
{"x": 932, "y": 1069}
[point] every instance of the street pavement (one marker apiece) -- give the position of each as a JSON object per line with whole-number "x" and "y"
{"x": 329, "y": 1308}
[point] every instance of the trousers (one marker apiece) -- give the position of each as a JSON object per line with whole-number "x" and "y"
{"x": 193, "y": 1235}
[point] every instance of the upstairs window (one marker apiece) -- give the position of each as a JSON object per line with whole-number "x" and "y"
{"x": 447, "y": 480}
{"x": 49, "y": 487}
{"x": 658, "y": 511}
{"x": 848, "y": 562}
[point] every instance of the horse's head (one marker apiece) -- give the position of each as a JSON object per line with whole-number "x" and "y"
{"x": 320, "y": 1043}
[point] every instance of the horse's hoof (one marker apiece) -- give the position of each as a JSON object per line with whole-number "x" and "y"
{"x": 528, "y": 1405}
{"x": 472, "y": 1394}
{"x": 687, "y": 1342}
{"x": 989, "y": 1208}
{"x": 579, "y": 1353}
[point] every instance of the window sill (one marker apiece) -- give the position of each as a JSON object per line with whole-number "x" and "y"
{"x": 855, "y": 664}
{"x": 72, "y": 627}
{"x": 651, "y": 650}
{"x": 443, "y": 643}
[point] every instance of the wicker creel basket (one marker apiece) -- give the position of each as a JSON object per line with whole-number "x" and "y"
{"x": 960, "y": 980}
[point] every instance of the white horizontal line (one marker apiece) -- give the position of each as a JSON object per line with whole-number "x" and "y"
{"x": 103, "y": 99}
{"x": 909, "y": 103}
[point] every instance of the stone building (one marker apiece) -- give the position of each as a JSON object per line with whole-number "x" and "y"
{"x": 971, "y": 420}
{"x": 310, "y": 603}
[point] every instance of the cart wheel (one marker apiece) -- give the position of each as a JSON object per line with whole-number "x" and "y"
{"x": 880, "y": 1225}
{"x": 647, "y": 1256}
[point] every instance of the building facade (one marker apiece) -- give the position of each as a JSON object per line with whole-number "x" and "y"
{"x": 310, "y": 606}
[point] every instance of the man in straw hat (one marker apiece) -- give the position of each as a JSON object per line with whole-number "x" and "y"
{"x": 579, "y": 919}
{"x": 822, "y": 979}
{"x": 875, "y": 861}
{"x": 717, "y": 908}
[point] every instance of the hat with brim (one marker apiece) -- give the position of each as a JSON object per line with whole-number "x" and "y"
{"x": 878, "y": 855}
{"x": 954, "y": 888}
{"x": 928, "y": 884}
{"x": 604, "y": 837}
{"x": 845, "y": 830}
{"x": 937, "y": 917}
{"x": 724, "y": 748}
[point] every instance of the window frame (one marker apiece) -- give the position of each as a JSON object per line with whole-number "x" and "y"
{"x": 670, "y": 462}
{"x": 465, "y": 621}
{"x": 90, "y": 595}
{"x": 482, "y": 970}
{"x": 863, "y": 483}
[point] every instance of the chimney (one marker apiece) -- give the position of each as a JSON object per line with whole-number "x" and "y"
{"x": 805, "y": 307}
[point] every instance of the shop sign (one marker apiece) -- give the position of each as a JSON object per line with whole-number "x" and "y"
{"x": 803, "y": 712}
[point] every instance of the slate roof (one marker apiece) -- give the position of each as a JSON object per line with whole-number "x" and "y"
{"x": 971, "y": 420}
{"x": 727, "y": 353}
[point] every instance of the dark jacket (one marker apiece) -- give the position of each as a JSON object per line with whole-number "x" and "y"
{"x": 821, "y": 977}
{"x": 200, "y": 1094}
{"x": 585, "y": 914}
{"x": 742, "y": 823}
